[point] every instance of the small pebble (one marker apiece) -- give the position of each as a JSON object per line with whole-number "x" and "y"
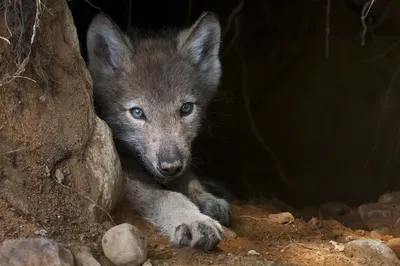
{"x": 253, "y": 253}
{"x": 314, "y": 222}
{"x": 348, "y": 238}
{"x": 153, "y": 245}
{"x": 83, "y": 256}
{"x": 337, "y": 246}
{"x": 394, "y": 244}
{"x": 124, "y": 244}
{"x": 47, "y": 171}
{"x": 282, "y": 218}
{"x": 59, "y": 176}
{"x": 147, "y": 263}
{"x": 229, "y": 234}
{"x": 40, "y": 232}
{"x": 42, "y": 98}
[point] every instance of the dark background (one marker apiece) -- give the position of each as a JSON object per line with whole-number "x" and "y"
{"x": 333, "y": 123}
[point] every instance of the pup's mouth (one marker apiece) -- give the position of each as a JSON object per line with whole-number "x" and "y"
{"x": 164, "y": 179}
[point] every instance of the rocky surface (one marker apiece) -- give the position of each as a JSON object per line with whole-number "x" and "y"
{"x": 104, "y": 171}
{"x": 124, "y": 244}
{"x": 34, "y": 252}
{"x": 371, "y": 252}
{"x": 282, "y": 218}
{"x": 83, "y": 256}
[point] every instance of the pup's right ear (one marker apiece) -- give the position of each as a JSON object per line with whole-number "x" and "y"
{"x": 108, "y": 48}
{"x": 200, "y": 45}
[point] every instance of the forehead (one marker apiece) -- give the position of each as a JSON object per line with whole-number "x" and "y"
{"x": 157, "y": 68}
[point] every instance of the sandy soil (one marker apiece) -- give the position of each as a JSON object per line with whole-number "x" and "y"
{"x": 297, "y": 243}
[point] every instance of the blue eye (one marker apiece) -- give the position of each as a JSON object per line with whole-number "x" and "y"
{"x": 137, "y": 113}
{"x": 186, "y": 109}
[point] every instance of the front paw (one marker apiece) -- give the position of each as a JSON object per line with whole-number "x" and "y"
{"x": 215, "y": 208}
{"x": 203, "y": 234}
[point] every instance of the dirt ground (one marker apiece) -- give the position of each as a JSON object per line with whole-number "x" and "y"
{"x": 297, "y": 243}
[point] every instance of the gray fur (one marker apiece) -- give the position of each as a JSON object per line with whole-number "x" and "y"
{"x": 159, "y": 74}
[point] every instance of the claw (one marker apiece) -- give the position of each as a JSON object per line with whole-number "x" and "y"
{"x": 203, "y": 235}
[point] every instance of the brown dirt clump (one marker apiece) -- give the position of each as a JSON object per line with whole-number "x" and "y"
{"x": 46, "y": 120}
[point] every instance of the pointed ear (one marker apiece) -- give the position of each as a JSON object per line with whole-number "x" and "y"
{"x": 201, "y": 42}
{"x": 108, "y": 48}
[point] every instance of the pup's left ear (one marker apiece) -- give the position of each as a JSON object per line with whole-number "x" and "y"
{"x": 200, "y": 45}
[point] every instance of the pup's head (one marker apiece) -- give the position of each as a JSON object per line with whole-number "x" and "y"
{"x": 153, "y": 91}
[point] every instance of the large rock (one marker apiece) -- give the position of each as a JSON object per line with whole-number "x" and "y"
{"x": 103, "y": 183}
{"x": 371, "y": 252}
{"x": 34, "y": 252}
{"x": 380, "y": 215}
{"x": 392, "y": 197}
{"x": 124, "y": 244}
{"x": 49, "y": 132}
{"x": 341, "y": 213}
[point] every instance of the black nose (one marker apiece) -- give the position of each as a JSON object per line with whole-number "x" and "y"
{"x": 170, "y": 168}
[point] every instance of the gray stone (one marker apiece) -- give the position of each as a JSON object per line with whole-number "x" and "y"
{"x": 34, "y": 252}
{"x": 147, "y": 263}
{"x": 83, "y": 256}
{"x": 253, "y": 253}
{"x": 370, "y": 252}
{"x": 282, "y": 218}
{"x": 59, "y": 175}
{"x": 104, "y": 167}
{"x": 125, "y": 245}
{"x": 379, "y": 215}
{"x": 390, "y": 197}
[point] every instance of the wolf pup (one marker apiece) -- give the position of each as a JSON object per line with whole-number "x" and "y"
{"x": 153, "y": 91}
